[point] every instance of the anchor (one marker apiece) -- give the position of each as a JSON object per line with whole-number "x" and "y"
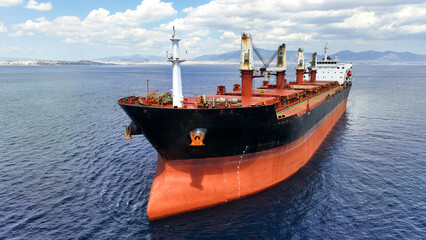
{"x": 128, "y": 133}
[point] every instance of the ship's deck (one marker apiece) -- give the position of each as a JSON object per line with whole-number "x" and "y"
{"x": 192, "y": 102}
{"x": 270, "y": 93}
{"x": 307, "y": 104}
{"x": 293, "y": 99}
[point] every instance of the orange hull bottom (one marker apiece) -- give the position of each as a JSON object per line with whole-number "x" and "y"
{"x": 186, "y": 185}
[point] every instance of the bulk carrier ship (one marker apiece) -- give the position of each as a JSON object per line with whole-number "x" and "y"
{"x": 220, "y": 147}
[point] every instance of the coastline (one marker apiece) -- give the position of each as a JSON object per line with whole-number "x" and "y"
{"x": 225, "y": 62}
{"x": 88, "y": 62}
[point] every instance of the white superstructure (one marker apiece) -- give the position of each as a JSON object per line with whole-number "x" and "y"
{"x": 331, "y": 70}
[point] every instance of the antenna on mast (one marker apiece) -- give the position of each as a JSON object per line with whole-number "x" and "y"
{"x": 173, "y": 36}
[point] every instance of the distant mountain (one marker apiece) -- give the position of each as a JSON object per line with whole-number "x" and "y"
{"x": 132, "y": 58}
{"x": 347, "y": 56}
{"x": 386, "y": 57}
{"x": 235, "y": 56}
{"x": 229, "y": 56}
{"x": 16, "y": 59}
{"x": 369, "y": 57}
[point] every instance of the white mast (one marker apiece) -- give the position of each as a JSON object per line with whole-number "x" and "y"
{"x": 177, "y": 81}
{"x": 325, "y": 51}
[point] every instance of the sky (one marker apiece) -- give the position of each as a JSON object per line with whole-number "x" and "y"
{"x": 93, "y": 29}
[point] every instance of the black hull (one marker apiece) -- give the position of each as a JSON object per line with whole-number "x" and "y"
{"x": 230, "y": 131}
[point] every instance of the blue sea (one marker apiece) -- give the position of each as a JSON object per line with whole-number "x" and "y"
{"x": 66, "y": 172}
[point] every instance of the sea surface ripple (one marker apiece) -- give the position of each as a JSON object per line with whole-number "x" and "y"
{"x": 66, "y": 172}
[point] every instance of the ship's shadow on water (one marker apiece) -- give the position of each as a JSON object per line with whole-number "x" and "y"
{"x": 281, "y": 208}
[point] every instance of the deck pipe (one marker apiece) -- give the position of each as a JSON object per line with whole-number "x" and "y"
{"x": 281, "y": 81}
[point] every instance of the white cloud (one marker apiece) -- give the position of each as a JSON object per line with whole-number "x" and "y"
{"x": 40, "y": 25}
{"x": 14, "y": 48}
{"x": 147, "y": 11}
{"x": 229, "y": 35}
{"x": 99, "y": 22}
{"x": 199, "y": 33}
{"x": 414, "y": 28}
{"x": 3, "y": 28}
{"x": 7, "y": 3}
{"x": 215, "y": 27}
{"x": 119, "y": 31}
{"x": 20, "y": 34}
{"x": 305, "y": 22}
{"x": 358, "y": 20}
{"x": 32, "y": 4}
